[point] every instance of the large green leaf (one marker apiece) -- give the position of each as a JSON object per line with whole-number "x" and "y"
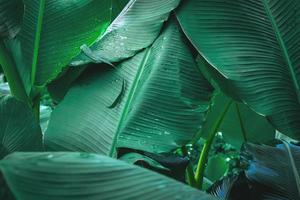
{"x": 52, "y": 33}
{"x": 255, "y": 45}
{"x": 137, "y": 26}
{"x": 59, "y": 87}
{"x": 154, "y": 102}
{"x": 19, "y": 130}
{"x": 76, "y": 176}
{"x": 240, "y": 123}
{"x": 11, "y": 12}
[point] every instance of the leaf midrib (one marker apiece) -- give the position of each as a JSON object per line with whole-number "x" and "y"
{"x": 130, "y": 98}
{"x": 37, "y": 39}
{"x": 283, "y": 48}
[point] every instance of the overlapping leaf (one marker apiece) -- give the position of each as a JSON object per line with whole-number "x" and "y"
{"x": 11, "y": 13}
{"x": 137, "y": 26}
{"x": 82, "y": 176}
{"x": 154, "y": 102}
{"x": 240, "y": 124}
{"x": 255, "y": 46}
{"x": 19, "y": 131}
{"x": 52, "y": 33}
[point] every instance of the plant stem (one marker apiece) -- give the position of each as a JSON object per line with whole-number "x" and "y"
{"x": 190, "y": 171}
{"x": 37, "y": 40}
{"x": 12, "y": 75}
{"x": 241, "y": 122}
{"x": 207, "y": 145}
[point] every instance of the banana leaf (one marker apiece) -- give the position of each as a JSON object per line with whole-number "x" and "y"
{"x": 240, "y": 124}
{"x": 137, "y": 26}
{"x": 19, "y": 130}
{"x": 83, "y": 176}
{"x": 11, "y": 13}
{"x": 153, "y": 102}
{"x": 51, "y": 35}
{"x": 254, "y": 46}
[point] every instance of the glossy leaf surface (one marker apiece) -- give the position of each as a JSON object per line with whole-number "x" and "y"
{"x": 137, "y": 26}
{"x": 82, "y": 176}
{"x": 51, "y": 35}
{"x": 154, "y": 102}
{"x": 254, "y": 46}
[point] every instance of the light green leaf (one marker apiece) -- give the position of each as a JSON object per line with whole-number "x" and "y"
{"x": 154, "y": 102}
{"x": 52, "y": 33}
{"x": 137, "y": 26}
{"x": 82, "y": 176}
{"x": 255, "y": 46}
{"x": 240, "y": 123}
{"x": 19, "y": 131}
{"x": 216, "y": 167}
{"x": 11, "y": 12}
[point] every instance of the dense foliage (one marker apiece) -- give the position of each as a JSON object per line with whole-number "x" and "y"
{"x": 140, "y": 99}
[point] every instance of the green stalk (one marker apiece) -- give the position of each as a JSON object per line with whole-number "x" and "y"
{"x": 208, "y": 143}
{"x": 241, "y": 122}
{"x": 12, "y": 75}
{"x": 189, "y": 170}
{"x": 37, "y": 40}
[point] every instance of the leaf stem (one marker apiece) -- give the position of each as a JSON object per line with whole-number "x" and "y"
{"x": 207, "y": 145}
{"x": 37, "y": 41}
{"x": 189, "y": 170}
{"x": 241, "y": 122}
{"x": 12, "y": 75}
{"x": 128, "y": 104}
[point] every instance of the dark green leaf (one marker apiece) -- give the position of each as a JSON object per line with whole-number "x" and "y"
{"x": 82, "y": 176}
{"x": 169, "y": 164}
{"x": 11, "y": 13}
{"x": 60, "y": 86}
{"x": 19, "y": 130}
{"x": 276, "y": 167}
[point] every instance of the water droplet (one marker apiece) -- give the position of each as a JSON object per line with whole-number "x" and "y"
{"x": 50, "y": 156}
{"x": 167, "y": 133}
{"x": 161, "y": 186}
